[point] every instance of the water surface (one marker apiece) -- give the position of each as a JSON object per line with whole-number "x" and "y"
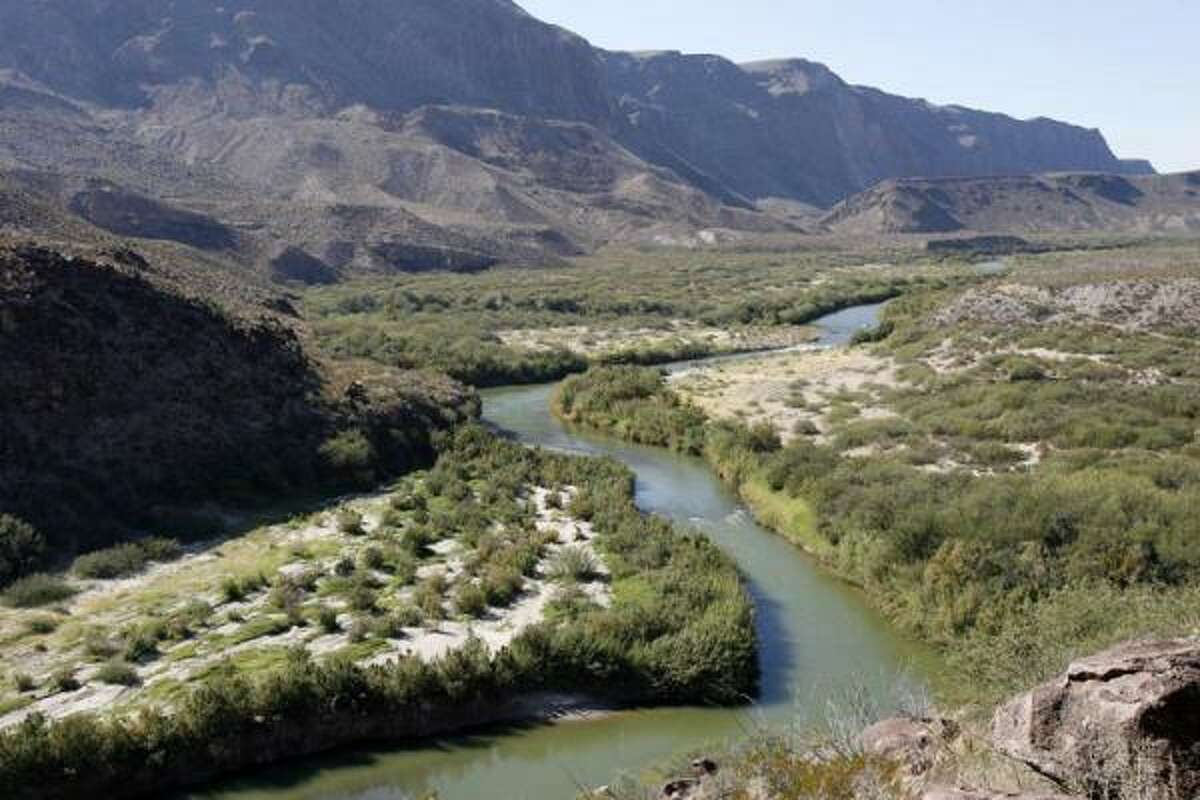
{"x": 816, "y": 635}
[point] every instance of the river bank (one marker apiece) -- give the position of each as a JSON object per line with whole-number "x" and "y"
{"x": 659, "y": 600}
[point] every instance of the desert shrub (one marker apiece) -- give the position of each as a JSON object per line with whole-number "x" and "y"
{"x": 501, "y": 585}
{"x": 97, "y": 645}
{"x": 118, "y": 673}
{"x": 429, "y": 596}
{"x": 327, "y": 619}
{"x": 372, "y": 558}
{"x": 872, "y": 335}
{"x": 470, "y": 600}
{"x": 409, "y": 616}
{"x": 417, "y": 540}
{"x": 33, "y": 591}
{"x": 1025, "y": 369}
{"x": 141, "y": 643}
{"x": 350, "y": 523}
{"x": 21, "y": 549}
{"x": 23, "y": 682}
{"x": 235, "y": 589}
{"x": 42, "y": 625}
{"x": 351, "y": 457}
{"x": 362, "y": 597}
{"x": 126, "y": 559}
{"x": 573, "y": 564}
{"x": 64, "y": 680}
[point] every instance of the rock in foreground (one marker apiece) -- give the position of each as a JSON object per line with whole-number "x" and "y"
{"x": 1126, "y": 720}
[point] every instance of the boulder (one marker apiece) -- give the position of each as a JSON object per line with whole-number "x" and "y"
{"x": 1125, "y": 722}
{"x": 912, "y": 743}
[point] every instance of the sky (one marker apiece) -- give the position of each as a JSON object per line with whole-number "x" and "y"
{"x": 1128, "y": 67}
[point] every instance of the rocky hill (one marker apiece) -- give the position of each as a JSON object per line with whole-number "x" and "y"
{"x": 314, "y": 140}
{"x": 124, "y": 394}
{"x": 1035, "y": 204}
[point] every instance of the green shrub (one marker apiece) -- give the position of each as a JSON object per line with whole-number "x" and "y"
{"x": 42, "y": 625}
{"x": 351, "y": 457}
{"x": 141, "y": 643}
{"x": 21, "y": 549}
{"x": 97, "y": 645}
{"x": 372, "y": 558}
{"x": 118, "y": 673}
{"x": 350, "y": 523}
{"x": 363, "y": 598}
{"x": 126, "y": 559}
{"x": 470, "y": 601}
{"x": 235, "y": 590}
{"x": 37, "y": 590}
{"x": 23, "y": 682}
{"x": 573, "y": 564}
{"x": 409, "y": 616}
{"x": 502, "y": 584}
{"x": 327, "y": 618}
{"x": 64, "y": 680}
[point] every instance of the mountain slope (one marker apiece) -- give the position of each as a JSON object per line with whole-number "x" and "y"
{"x": 319, "y": 139}
{"x": 1037, "y": 203}
{"x": 796, "y": 130}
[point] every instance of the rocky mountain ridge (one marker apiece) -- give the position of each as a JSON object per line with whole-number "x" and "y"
{"x": 378, "y": 135}
{"x": 1034, "y": 203}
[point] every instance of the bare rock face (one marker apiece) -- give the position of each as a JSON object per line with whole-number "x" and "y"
{"x": 1126, "y": 720}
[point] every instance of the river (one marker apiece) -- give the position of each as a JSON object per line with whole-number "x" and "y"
{"x": 816, "y": 634}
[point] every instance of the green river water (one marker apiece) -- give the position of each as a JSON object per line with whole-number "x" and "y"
{"x": 816, "y": 635}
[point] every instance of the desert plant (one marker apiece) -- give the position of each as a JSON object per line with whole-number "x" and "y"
{"x": 42, "y": 625}
{"x": 126, "y": 559}
{"x": 470, "y": 601}
{"x": 327, "y": 618}
{"x": 118, "y": 673}
{"x": 37, "y": 590}
{"x": 21, "y": 548}
{"x": 573, "y": 564}
{"x": 64, "y": 680}
{"x": 350, "y": 523}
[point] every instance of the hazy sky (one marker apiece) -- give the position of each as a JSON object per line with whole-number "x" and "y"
{"x": 1128, "y": 67}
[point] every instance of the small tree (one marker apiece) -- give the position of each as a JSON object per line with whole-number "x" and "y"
{"x": 21, "y": 548}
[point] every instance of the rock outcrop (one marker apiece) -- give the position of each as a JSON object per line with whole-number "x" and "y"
{"x": 1126, "y": 721}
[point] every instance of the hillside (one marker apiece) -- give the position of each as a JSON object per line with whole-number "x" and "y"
{"x": 1036, "y": 204}
{"x": 314, "y": 141}
{"x": 124, "y": 394}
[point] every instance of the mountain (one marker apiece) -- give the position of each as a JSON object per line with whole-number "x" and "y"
{"x": 316, "y": 139}
{"x": 1036, "y": 204}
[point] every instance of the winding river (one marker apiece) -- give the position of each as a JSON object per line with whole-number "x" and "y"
{"x": 816, "y": 635}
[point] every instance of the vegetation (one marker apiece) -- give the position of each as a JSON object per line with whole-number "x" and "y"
{"x": 37, "y": 590}
{"x": 21, "y": 549}
{"x": 454, "y": 323}
{"x": 968, "y": 557}
{"x": 126, "y": 559}
{"x": 679, "y": 629}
